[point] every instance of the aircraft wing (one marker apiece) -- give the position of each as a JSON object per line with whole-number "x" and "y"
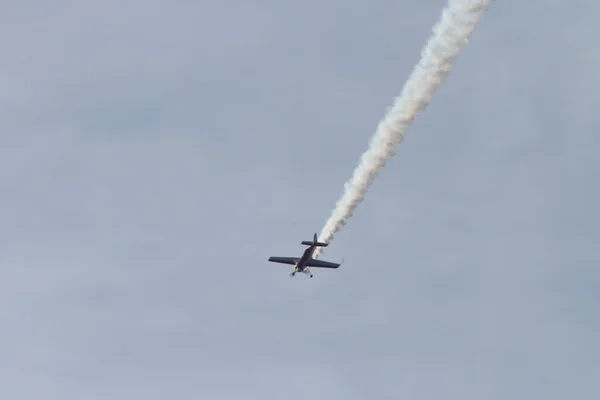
{"x": 285, "y": 260}
{"x": 322, "y": 264}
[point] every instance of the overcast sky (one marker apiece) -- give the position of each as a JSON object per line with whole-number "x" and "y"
{"x": 154, "y": 154}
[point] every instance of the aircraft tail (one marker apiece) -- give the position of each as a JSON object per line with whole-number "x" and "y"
{"x": 314, "y": 242}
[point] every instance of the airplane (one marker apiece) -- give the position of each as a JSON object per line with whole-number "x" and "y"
{"x": 301, "y": 264}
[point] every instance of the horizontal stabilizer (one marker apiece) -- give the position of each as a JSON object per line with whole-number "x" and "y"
{"x": 318, "y": 244}
{"x": 314, "y": 242}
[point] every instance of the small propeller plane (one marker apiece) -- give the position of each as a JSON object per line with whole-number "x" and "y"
{"x": 301, "y": 264}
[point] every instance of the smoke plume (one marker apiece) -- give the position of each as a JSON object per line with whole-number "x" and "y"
{"x": 450, "y": 35}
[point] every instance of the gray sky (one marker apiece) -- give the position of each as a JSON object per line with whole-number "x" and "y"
{"x": 154, "y": 154}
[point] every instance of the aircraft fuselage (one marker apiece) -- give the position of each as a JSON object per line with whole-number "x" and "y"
{"x": 306, "y": 256}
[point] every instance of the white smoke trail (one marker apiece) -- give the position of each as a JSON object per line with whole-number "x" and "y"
{"x": 450, "y": 35}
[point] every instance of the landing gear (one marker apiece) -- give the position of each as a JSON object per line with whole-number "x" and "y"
{"x": 304, "y": 271}
{"x": 307, "y": 272}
